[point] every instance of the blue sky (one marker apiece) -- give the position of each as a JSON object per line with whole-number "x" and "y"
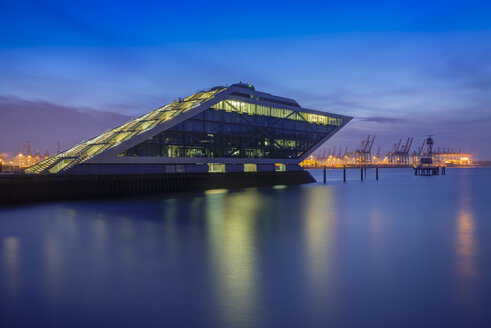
{"x": 402, "y": 68}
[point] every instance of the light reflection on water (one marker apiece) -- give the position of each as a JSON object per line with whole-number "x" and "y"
{"x": 466, "y": 245}
{"x": 11, "y": 265}
{"x": 355, "y": 254}
{"x": 230, "y": 226}
{"x": 320, "y": 216}
{"x": 53, "y": 264}
{"x": 467, "y": 251}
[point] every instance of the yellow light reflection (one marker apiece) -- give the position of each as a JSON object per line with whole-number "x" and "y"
{"x": 319, "y": 220}
{"x": 466, "y": 245}
{"x": 279, "y": 187}
{"x": 216, "y": 191}
{"x": 466, "y": 250}
{"x": 231, "y": 221}
{"x": 320, "y": 212}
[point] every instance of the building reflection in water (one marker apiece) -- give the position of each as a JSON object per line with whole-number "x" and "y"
{"x": 127, "y": 252}
{"x": 99, "y": 243}
{"x": 171, "y": 238}
{"x": 466, "y": 245}
{"x": 11, "y": 264}
{"x": 320, "y": 214}
{"x": 319, "y": 219}
{"x": 53, "y": 262}
{"x": 231, "y": 220}
{"x": 466, "y": 249}
{"x": 53, "y": 252}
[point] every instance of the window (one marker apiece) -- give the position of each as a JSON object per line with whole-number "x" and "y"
{"x": 216, "y": 168}
{"x": 280, "y": 167}
{"x": 233, "y": 135}
{"x": 249, "y": 167}
{"x": 253, "y": 109}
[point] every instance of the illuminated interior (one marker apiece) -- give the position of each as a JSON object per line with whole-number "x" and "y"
{"x": 215, "y": 133}
{"x": 236, "y": 123}
{"x": 111, "y": 138}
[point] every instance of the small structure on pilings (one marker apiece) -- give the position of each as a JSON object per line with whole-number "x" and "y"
{"x": 426, "y": 166}
{"x": 364, "y": 154}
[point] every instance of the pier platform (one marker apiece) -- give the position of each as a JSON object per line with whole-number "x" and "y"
{"x": 45, "y": 188}
{"x": 428, "y": 170}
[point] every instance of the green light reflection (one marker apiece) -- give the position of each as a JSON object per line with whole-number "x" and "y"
{"x": 231, "y": 220}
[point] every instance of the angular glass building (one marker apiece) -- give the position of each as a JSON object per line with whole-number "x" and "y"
{"x": 224, "y": 129}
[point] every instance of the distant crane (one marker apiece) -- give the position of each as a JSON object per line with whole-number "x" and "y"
{"x": 417, "y": 154}
{"x": 27, "y": 148}
{"x": 400, "y": 153}
{"x": 405, "y": 153}
{"x": 378, "y": 152}
{"x": 364, "y": 154}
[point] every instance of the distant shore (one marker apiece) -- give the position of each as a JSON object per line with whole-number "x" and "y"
{"x": 388, "y": 166}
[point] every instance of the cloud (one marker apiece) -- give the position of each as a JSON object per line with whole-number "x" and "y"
{"x": 387, "y": 120}
{"x": 45, "y": 123}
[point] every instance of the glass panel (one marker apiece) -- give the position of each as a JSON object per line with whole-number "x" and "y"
{"x": 216, "y": 168}
{"x": 252, "y": 109}
{"x": 60, "y": 165}
{"x": 250, "y": 167}
{"x": 111, "y": 138}
{"x": 280, "y": 167}
{"x": 231, "y": 135}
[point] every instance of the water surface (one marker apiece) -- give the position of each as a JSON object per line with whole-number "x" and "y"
{"x": 403, "y": 251}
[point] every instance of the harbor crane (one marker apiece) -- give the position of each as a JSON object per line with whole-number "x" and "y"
{"x": 400, "y": 154}
{"x": 364, "y": 154}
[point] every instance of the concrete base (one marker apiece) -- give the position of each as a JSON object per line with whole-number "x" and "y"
{"x": 45, "y": 188}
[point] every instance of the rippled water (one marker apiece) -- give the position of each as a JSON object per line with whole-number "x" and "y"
{"x": 403, "y": 251}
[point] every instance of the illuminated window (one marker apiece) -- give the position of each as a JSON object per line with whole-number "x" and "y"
{"x": 280, "y": 167}
{"x": 216, "y": 168}
{"x": 249, "y": 167}
{"x": 60, "y": 165}
{"x": 253, "y": 109}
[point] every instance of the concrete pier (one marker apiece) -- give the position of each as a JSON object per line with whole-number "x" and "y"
{"x": 44, "y": 188}
{"x": 427, "y": 170}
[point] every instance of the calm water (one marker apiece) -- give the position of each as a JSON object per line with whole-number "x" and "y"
{"x": 405, "y": 251}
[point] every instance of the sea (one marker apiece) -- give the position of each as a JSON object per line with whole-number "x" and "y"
{"x": 403, "y": 251}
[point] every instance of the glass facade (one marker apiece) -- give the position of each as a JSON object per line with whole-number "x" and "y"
{"x": 111, "y": 138}
{"x": 253, "y": 109}
{"x": 230, "y": 128}
{"x": 220, "y": 133}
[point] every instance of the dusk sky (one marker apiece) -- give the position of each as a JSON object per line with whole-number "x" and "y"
{"x": 70, "y": 70}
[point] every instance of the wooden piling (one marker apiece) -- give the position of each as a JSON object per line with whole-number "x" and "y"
{"x": 376, "y": 173}
{"x": 325, "y": 175}
{"x": 344, "y": 174}
{"x": 361, "y": 172}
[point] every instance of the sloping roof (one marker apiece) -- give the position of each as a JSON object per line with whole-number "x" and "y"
{"x": 111, "y": 138}
{"x": 106, "y": 147}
